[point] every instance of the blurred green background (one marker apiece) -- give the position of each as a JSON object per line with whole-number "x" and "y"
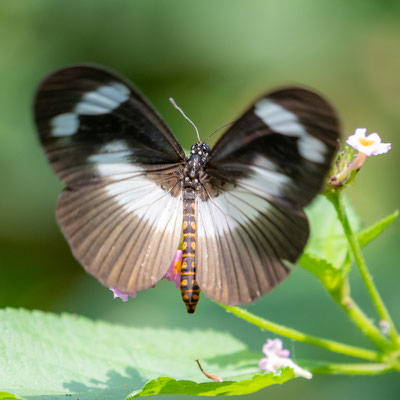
{"x": 213, "y": 57}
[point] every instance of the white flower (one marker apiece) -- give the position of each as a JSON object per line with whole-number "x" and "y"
{"x": 370, "y": 145}
{"x": 384, "y": 326}
{"x": 276, "y": 356}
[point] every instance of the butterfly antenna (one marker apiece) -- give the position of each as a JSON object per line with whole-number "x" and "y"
{"x": 218, "y": 129}
{"x": 180, "y": 110}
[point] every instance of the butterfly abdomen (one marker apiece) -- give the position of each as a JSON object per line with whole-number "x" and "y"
{"x": 189, "y": 289}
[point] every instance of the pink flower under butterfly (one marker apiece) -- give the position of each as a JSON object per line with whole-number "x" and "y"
{"x": 122, "y": 295}
{"x": 173, "y": 274}
{"x": 276, "y": 357}
{"x": 174, "y": 271}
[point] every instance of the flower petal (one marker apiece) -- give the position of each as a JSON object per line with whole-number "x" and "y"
{"x": 122, "y": 295}
{"x": 375, "y": 137}
{"x": 174, "y": 271}
{"x": 265, "y": 364}
{"x": 382, "y": 148}
{"x": 287, "y": 362}
{"x": 360, "y": 132}
{"x": 275, "y": 347}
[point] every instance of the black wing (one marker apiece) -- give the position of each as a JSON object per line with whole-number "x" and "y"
{"x": 261, "y": 173}
{"x": 121, "y": 211}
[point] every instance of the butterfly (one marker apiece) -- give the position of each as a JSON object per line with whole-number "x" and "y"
{"x": 131, "y": 193}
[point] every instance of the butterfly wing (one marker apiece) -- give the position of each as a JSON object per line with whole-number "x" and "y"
{"x": 261, "y": 173}
{"x": 121, "y": 210}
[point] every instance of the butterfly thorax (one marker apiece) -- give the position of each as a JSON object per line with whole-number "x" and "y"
{"x": 194, "y": 165}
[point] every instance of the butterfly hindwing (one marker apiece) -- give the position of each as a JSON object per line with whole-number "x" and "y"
{"x": 121, "y": 211}
{"x": 261, "y": 173}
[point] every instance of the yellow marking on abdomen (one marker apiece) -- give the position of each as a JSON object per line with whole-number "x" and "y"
{"x": 191, "y": 291}
{"x": 188, "y": 255}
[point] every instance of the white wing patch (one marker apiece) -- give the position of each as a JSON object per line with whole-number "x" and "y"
{"x": 136, "y": 194}
{"x": 231, "y": 209}
{"x": 100, "y": 101}
{"x": 103, "y": 100}
{"x": 265, "y": 177}
{"x": 64, "y": 124}
{"x": 285, "y": 122}
{"x": 112, "y": 152}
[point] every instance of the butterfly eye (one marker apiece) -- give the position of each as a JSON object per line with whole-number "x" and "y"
{"x": 206, "y": 148}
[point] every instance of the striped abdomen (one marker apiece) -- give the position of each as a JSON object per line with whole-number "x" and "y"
{"x": 189, "y": 289}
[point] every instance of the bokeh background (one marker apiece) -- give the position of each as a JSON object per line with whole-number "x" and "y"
{"x": 213, "y": 57}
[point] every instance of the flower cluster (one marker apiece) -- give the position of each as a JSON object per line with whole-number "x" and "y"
{"x": 276, "y": 357}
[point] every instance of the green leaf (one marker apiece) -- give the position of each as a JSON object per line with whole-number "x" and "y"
{"x": 330, "y": 276}
{"x": 226, "y": 388}
{"x": 8, "y": 396}
{"x": 333, "y": 279}
{"x": 327, "y": 239}
{"x": 46, "y": 356}
{"x": 370, "y": 233}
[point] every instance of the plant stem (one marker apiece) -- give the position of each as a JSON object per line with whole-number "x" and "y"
{"x": 337, "y": 201}
{"x": 351, "y": 369}
{"x": 362, "y": 322}
{"x": 302, "y": 337}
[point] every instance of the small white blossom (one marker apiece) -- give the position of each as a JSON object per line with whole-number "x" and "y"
{"x": 384, "y": 326}
{"x": 370, "y": 145}
{"x": 276, "y": 356}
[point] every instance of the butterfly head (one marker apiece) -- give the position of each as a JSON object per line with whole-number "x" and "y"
{"x": 200, "y": 149}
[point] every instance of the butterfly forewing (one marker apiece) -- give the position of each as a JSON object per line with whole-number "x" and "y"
{"x": 261, "y": 173}
{"x": 122, "y": 208}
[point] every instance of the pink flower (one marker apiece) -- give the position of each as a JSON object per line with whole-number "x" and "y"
{"x": 123, "y": 296}
{"x": 173, "y": 274}
{"x": 174, "y": 271}
{"x": 370, "y": 145}
{"x": 276, "y": 356}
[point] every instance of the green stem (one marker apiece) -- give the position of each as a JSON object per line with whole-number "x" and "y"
{"x": 302, "y": 337}
{"x": 351, "y": 369}
{"x": 337, "y": 201}
{"x": 362, "y": 321}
